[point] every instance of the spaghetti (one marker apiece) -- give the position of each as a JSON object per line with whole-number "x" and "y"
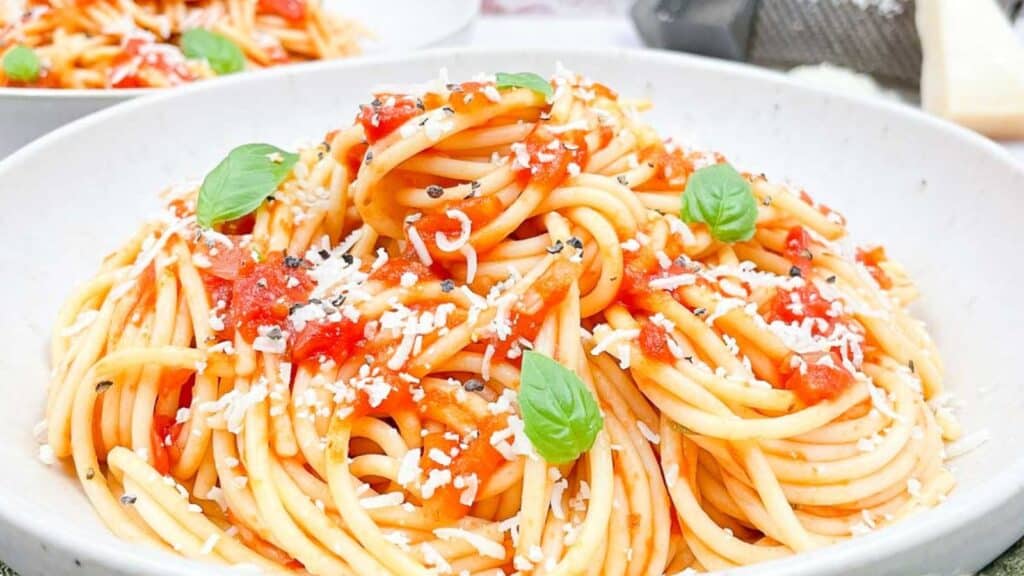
{"x": 126, "y": 44}
{"x": 385, "y": 362}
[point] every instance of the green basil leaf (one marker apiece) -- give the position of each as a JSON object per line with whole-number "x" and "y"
{"x": 560, "y": 415}
{"x": 524, "y": 80}
{"x": 241, "y": 182}
{"x": 224, "y": 56}
{"x": 720, "y": 197}
{"x": 22, "y": 64}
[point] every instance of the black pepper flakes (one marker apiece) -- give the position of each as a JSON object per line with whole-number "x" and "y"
{"x": 324, "y": 253}
{"x": 275, "y": 333}
{"x": 473, "y": 385}
{"x": 767, "y": 201}
{"x": 700, "y": 311}
{"x": 575, "y": 242}
{"x": 419, "y": 104}
{"x": 292, "y": 261}
{"x": 129, "y": 499}
{"x": 831, "y": 279}
{"x": 368, "y": 158}
{"x": 102, "y": 386}
{"x": 623, "y": 180}
{"x": 90, "y": 474}
{"x": 807, "y": 254}
{"x": 795, "y": 272}
{"x": 557, "y": 247}
{"x": 435, "y": 191}
{"x": 338, "y": 301}
{"x": 910, "y": 364}
{"x": 447, "y": 286}
{"x": 347, "y": 258}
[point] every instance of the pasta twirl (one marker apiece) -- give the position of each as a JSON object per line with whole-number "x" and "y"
{"x": 497, "y": 326}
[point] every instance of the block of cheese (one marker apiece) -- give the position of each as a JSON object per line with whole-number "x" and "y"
{"x": 973, "y": 68}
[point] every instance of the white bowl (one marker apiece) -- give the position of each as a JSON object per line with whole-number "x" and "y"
{"x": 398, "y": 26}
{"x": 946, "y": 202}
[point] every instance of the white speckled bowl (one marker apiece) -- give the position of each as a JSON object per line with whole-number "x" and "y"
{"x": 398, "y": 26}
{"x": 946, "y": 202}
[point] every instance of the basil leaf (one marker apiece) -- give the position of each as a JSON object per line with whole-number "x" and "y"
{"x": 22, "y": 64}
{"x": 241, "y": 182}
{"x": 524, "y": 80}
{"x": 560, "y": 415}
{"x": 224, "y": 56}
{"x": 721, "y": 198}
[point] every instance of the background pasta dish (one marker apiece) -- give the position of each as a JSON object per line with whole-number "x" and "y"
{"x": 496, "y": 325}
{"x": 125, "y": 44}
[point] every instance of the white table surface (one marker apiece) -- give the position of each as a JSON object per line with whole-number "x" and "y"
{"x": 572, "y": 32}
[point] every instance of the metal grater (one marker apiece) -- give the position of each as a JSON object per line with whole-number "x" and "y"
{"x": 876, "y": 37}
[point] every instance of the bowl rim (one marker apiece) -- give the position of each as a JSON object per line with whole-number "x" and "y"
{"x": 466, "y": 17}
{"x": 911, "y": 533}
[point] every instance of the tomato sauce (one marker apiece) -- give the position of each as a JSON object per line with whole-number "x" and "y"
{"x": 671, "y": 169}
{"x": 291, "y": 10}
{"x": 871, "y": 258}
{"x": 165, "y": 456}
{"x": 798, "y": 252}
{"x": 263, "y": 293}
{"x": 480, "y": 211}
{"x": 819, "y": 381}
{"x": 379, "y": 120}
{"x": 399, "y": 399}
{"x": 549, "y": 163}
{"x": 479, "y": 457}
{"x": 336, "y": 340}
{"x": 797, "y": 304}
{"x": 469, "y": 97}
{"x": 139, "y": 54}
{"x": 640, "y": 268}
{"x": 654, "y": 342}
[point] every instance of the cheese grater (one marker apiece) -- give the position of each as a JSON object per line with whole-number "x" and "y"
{"x": 876, "y": 37}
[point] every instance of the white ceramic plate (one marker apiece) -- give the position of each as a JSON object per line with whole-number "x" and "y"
{"x": 946, "y": 203}
{"x": 398, "y": 26}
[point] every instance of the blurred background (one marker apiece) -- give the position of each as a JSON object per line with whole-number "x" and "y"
{"x": 958, "y": 59}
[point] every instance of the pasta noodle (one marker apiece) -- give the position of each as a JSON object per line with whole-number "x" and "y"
{"x": 128, "y": 44}
{"x": 343, "y": 379}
